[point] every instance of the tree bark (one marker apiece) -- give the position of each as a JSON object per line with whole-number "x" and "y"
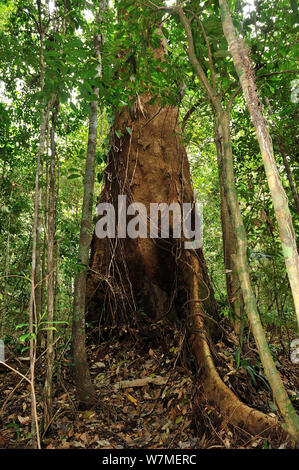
{"x": 32, "y": 311}
{"x": 48, "y": 387}
{"x": 148, "y": 165}
{"x": 37, "y": 279}
{"x": 233, "y": 289}
{"x": 84, "y": 386}
{"x": 245, "y": 70}
{"x": 3, "y": 312}
{"x": 277, "y": 386}
{"x": 241, "y": 262}
{"x": 288, "y": 172}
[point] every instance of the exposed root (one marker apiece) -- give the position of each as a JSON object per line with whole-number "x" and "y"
{"x": 236, "y": 412}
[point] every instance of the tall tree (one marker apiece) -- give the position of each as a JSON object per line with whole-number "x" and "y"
{"x": 48, "y": 392}
{"x": 245, "y": 69}
{"x": 83, "y": 382}
{"x": 32, "y": 312}
{"x": 147, "y": 163}
{"x": 240, "y": 259}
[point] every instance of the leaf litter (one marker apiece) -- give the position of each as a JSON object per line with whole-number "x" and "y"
{"x": 148, "y": 396}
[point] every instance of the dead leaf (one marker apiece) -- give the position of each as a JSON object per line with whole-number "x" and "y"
{"x": 88, "y": 414}
{"x": 256, "y": 443}
{"x": 104, "y": 443}
{"x": 85, "y": 438}
{"x": 3, "y": 441}
{"x": 77, "y": 444}
{"x": 131, "y": 399}
{"x": 24, "y": 420}
{"x": 64, "y": 445}
{"x": 98, "y": 365}
{"x": 63, "y": 397}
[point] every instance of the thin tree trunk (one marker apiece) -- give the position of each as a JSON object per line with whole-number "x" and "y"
{"x": 32, "y": 311}
{"x": 57, "y": 279}
{"x": 241, "y": 262}
{"x": 84, "y": 386}
{"x": 3, "y": 313}
{"x": 288, "y": 172}
{"x": 245, "y": 70}
{"x": 48, "y": 406}
{"x": 234, "y": 294}
{"x": 37, "y": 280}
{"x": 45, "y": 245}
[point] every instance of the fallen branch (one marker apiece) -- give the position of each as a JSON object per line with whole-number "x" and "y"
{"x": 158, "y": 380}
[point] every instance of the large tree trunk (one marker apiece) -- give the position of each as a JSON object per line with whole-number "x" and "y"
{"x": 149, "y": 164}
{"x": 240, "y": 261}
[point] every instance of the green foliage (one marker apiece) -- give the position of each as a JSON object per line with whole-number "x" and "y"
{"x": 131, "y": 65}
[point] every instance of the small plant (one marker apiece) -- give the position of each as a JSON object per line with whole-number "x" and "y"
{"x": 16, "y": 428}
{"x": 255, "y": 372}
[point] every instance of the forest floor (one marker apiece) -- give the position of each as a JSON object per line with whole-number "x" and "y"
{"x": 157, "y": 411}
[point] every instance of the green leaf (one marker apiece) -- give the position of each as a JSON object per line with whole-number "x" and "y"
{"x": 272, "y": 406}
{"x": 21, "y": 325}
{"x": 23, "y": 338}
{"x": 221, "y": 53}
{"x": 238, "y": 357}
{"x": 179, "y": 419}
{"x": 72, "y": 177}
{"x": 152, "y": 100}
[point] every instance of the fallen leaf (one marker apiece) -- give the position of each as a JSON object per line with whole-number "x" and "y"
{"x": 64, "y": 445}
{"x": 98, "y": 365}
{"x": 85, "y": 438}
{"x": 132, "y": 399}
{"x": 88, "y": 414}
{"x": 24, "y": 420}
